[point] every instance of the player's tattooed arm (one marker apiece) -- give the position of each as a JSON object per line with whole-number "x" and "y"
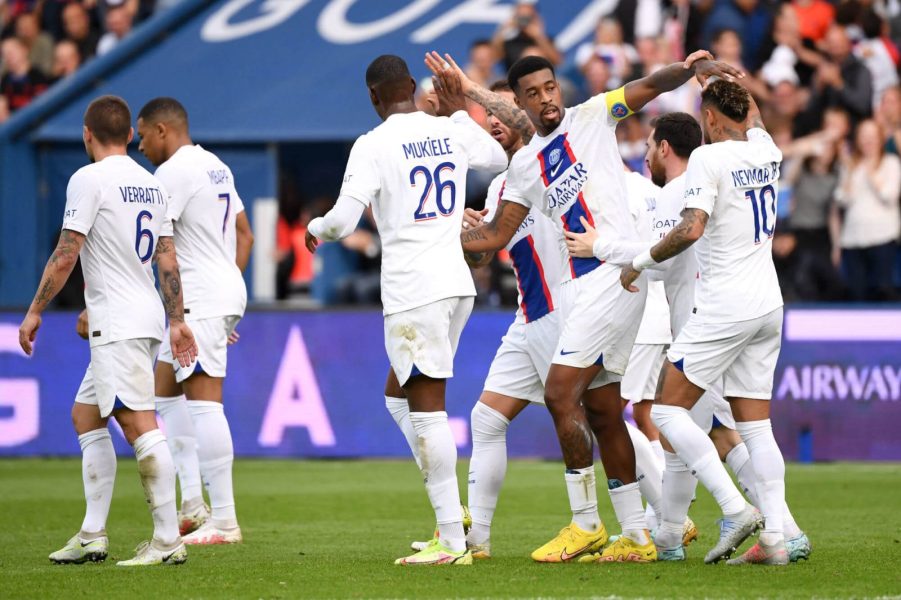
{"x": 495, "y": 234}
{"x": 687, "y": 232}
{"x": 699, "y": 64}
{"x": 56, "y": 272}
{"x": 170, "y": 279}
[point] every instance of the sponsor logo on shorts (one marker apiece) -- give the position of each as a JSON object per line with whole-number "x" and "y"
{"x": 566, "y": 352}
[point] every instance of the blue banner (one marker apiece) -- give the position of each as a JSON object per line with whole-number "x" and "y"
{"x": 311, "y": 385}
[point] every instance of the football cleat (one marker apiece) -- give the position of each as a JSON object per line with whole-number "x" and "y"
{"x": 78, "y": 551}
{"x": 149, "y": 554}
{"x": 763, "y": 554}
{"x": 467, "y": 525}
{"x": 733, "y": 531}
{"x": 623, "y": 549}
{"x": 436, "y": 554}
{"x": 209, "y": 535}
{"x": 571, "y": 542}
{"x": 798, "y": 547}
{"x": 480, "y": 551}
{"x": 689, "y": 532}
{"x": 191, "y": 518}
{"x": 671, "y": 554}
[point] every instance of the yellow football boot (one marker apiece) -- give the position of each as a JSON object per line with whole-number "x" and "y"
{"x": 624, "y": 550}
{"x": 572, "y": 541}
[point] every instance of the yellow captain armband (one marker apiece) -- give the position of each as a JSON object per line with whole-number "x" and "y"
{"x": 616, "y": 104}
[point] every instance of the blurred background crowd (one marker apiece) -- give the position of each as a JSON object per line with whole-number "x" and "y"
{"x": 824, "y": 73}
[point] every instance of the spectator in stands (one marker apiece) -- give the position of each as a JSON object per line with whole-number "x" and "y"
{"x": 4, "y": 109}
{"x": 10, "y": 10}
{"x": 22, "y": 82}
{"x": 608, "y": 44}
{"x": 482, "y": 67}
{"x": 726, "y": 46}
{"x": 118, "y": 25}
{"x": 66, "y": 59}
{"x": 596, "y": 72}
{"x": 888, "y": 115}
{"x": 525, "y": 28}
{"x": 39, "y": 44}
{"x": 840, "y": 80}
{"x": 814, "y": 17}
{"x": 869, "y": 191}
{"x": 751, "y": 18}
{"x": 878, "y": 53}
{"x": 77, "y": 25}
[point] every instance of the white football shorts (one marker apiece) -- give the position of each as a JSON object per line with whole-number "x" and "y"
{"x": 211, "y": 336}
{"x": 599, "y": 323}
{"x": 643, "y": 373}
{"x": 712, "y": 405}
{"x": 520, "y": 367}
{"x": 120, "y": 374}
{"x": 743, "y": 354}
{"x": 424, "y": 339}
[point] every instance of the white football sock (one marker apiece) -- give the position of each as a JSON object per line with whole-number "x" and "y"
{"x": 583, "y": 497}
{"x": 157, "y": 473}
{"x": 770, "y": 468}
{"x": 98, "y": 471}
{"x": 678, "y": 490}
{"x": 438, "y": 456}
{"x": 650, "y": 477}
{"x": 182, "y": 442}
{"x": 487, "y": 468}
{"x": 626, "y": 501}
{"x": 216, "y": 454}
{"x": 739, "y": 460}
{"x": 658, "y": 453}
{"x": 400, "y": 412}
{"x": 696, "y": 449}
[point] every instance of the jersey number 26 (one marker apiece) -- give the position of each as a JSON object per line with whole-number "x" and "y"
{"x": 440, "y": 188}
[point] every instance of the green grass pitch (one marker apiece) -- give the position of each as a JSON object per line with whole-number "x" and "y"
{"x": 331, "y": 529}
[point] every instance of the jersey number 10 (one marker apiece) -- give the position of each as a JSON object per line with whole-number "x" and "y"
{"x": 764, "y": 206}
{"x": 440, "y": 187}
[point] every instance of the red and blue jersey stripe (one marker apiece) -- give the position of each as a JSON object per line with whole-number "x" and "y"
{"x": 572, "y": 222}
{"x": 533, "y": 287}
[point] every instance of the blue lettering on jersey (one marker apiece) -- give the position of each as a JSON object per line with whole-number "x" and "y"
{"x": 141, "y": 195}
{"x": 755, "y": 177}
{"x": 218, "y": 176}
{"x": 427, "y": 147}
{"x": 569, "y": 188}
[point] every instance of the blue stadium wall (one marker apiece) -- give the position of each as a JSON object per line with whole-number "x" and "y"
{"x": 311, "y": 385}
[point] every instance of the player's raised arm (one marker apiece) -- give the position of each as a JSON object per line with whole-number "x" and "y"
{"x": 700, "y": 64}
{"x": 56, "y": 272}
{"x": 184, "y": 349}
{"x": 244, "y": 240}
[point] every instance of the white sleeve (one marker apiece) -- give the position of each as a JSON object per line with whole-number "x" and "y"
{"x": 513, "y": 191}
{"x": 339, "y": 222}
{"x": 484, "y": 152}
{"x": 181, "y": 189}
{"x": 700, "y": 182}
{"x": 361, "y": 177}
{"x": 623, "y": 252}
{"x": 166, "y": 230}
{"x": 82, "y": 202}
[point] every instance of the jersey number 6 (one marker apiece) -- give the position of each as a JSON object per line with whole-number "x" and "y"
{"x": 440, "y": 187}
{"x": 143, "y": 233}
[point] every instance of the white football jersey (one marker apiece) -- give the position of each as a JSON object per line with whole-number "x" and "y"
{"x": 655, "y": 323}
{"x": 203, "y": 207}
{"x": 736, "y": 183}
{"x": 412, "y": 169}
{"x": 121, "y": 210}
{"x": 681, "y": 273}
{"x": 576, "y": 171}
{"x": 535, "y": 255}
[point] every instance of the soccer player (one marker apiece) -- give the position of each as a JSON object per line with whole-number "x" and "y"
{"x": 115, "y": 220}
{"x": 214, "y": 240}
{"x": 572, "y": 169}
{"x": 735, "y": 329}
{"x": 410, "y": 169}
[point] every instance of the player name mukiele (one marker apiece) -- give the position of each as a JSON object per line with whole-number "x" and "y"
{"x": 427, "y": 147}
{"x": 141, "y": 195}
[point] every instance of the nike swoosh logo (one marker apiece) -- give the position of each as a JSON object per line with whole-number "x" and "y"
{"x": 564, "y": 352}
{"x": 555, "y": 169}
{"x": 565, "y": 556}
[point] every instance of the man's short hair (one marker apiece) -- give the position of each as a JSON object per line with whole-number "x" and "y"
{"x": 723, "y": 31}
{"x": 500, "y": 85}
{"x": 163, "y": 110}
{"x": 526, "y": 66}
{"x": 480, "y": 42}
{"x": 729, "y": 98}
{"x": 109, "y": 120}
{"x": 387, "y": 68}
{"x": 680, "y": 130}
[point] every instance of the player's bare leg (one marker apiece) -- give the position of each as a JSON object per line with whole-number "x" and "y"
{"x": 157, "y": 473}
{"x": 216, "y": 456}
{"x": 489, "y": 421}
{"x": 697, "y": 451}
{"x": 438, "y": 462}
{"x": 98, "y": 470}
{"x": 172, "y": 407}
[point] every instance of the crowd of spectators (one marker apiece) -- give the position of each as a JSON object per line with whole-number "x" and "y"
{"x": 826, "y": 75}
{"x": 45, "y": 41}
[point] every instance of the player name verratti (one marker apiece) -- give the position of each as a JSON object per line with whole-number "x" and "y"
{"x": 142, "y": 195}
{"x": 427, "y": 147}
